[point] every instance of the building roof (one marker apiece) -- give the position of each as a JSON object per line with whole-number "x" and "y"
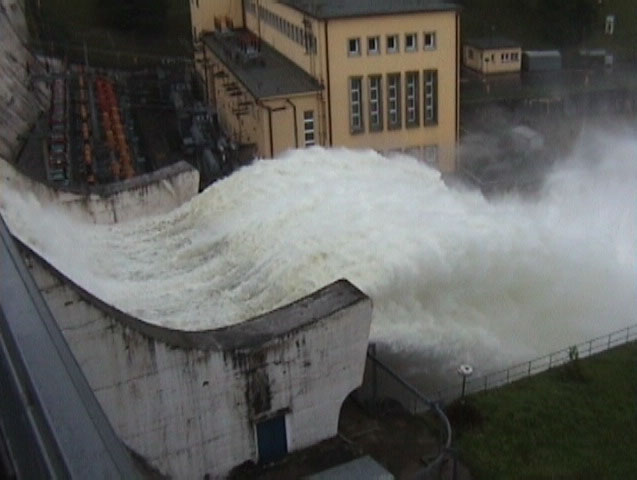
{"x": 326, "y": 9}
{"x": 492, "y": 42}
{"x": 261, "y": 69}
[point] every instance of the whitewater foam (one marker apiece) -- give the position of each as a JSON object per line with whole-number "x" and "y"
{"x": 453, "y": 277}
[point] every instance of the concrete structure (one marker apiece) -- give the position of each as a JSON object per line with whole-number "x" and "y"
{"x": 492, "y": 55}
{"x": 541, "y": 60}
{"x": 149, "y": 194}
{"x": 291, "y": 74}
{"x": 21, "y": 99}
{"x": 199, "y": 403}
{"x": 191, "y": 404}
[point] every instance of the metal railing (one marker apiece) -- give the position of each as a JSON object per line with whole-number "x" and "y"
{"x": 382, "y": 386}
{"x": 537, "y": 365}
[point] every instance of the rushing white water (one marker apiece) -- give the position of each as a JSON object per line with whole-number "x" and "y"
{"x": 453, "y": 277}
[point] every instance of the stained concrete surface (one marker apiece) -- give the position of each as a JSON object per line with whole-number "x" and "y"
{"x": 400, "y": 442}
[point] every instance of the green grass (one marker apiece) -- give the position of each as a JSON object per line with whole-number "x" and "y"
{"x": 574, "y": 422}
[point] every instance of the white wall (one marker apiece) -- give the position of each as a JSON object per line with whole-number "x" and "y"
{"x": 149, "y": 194}
{"x": 188, "y": 402}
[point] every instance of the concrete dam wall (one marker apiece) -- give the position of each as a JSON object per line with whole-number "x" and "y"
{"x": 153, "y": 193}
{"x": 190, "y": 403}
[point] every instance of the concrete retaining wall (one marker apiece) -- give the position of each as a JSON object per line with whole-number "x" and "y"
{"x": 21, "y": 98}
{"x": 149, "y": 194}
{"x": 189, "y": 402}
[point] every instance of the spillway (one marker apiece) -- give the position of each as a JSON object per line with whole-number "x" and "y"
{"x": 453, "y": 277}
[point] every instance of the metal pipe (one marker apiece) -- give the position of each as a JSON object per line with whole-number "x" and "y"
{"x": 329, "y": 96}
{"x": 296, "y": 128}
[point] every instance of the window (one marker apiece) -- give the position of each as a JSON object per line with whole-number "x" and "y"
{"x": 430, "y": 40}
{"x": 431, "y": 155}
{"x": 312, "y": 43}
{"x": 470, "y": 53}
{"x": 411, "y": 98}
{"x": 515, "y": 57}
{"x": 411, "y": 42}
{"x": 392, "y": 44}
{"x": 375, "y": 103}
{"x": 609, "y": 26}
{"x": 373, "y": 45}
{"x": 431, "y": 96}
{"x": 355, "y": 106}
{"x": 194, "y": 33}
{"x": 308, "y": 127}
{"x": 393, "y": 101}
{"x": 354, "y": 47}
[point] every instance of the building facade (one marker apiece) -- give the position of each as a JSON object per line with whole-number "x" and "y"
{"x": 492, "y": 55}
{"x": 292, "y": 74}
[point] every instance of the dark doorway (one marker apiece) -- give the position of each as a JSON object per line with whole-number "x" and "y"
{"x": 272, "y": 439}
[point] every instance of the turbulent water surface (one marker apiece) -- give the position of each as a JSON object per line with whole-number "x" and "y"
{"x": 453, "y": 277}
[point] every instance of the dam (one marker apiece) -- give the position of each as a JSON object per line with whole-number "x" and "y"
{"x": 454, "y": 278}
{"x": 240, "y": 287}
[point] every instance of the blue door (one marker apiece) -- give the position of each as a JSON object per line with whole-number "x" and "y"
{"x": 272, "y": 439}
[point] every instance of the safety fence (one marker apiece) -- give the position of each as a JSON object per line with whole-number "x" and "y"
{"x": 537, "y": 365}
{"x": 383, "y": 389}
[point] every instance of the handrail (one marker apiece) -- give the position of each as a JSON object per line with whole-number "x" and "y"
{"x": 540, "y": 364}
{"x": 431, "y": 404}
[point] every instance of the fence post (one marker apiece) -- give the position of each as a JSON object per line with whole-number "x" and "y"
{"x": 372, "y": 348}
{"x": 609, "y": 337}
{"x": 590, "y": 347}
{"x": 550, "y": 360}
{"x": 529, "y": 372}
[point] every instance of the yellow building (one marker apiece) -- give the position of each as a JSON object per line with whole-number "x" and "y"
{"x": 492, "y": 55}
{"x": 361, "y": 74}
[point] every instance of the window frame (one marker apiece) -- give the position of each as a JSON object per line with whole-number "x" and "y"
{"x": 375, "y": 51}
{"x": 309, "y": 128}
{"x": 396, "y": 40}
{"x": 394, "y": 81}
{"x": 429, "y": 45}
{"x": 355, "y": 127}
{"x": 414, "y": 47}
{"x": 430, "y": 111}
{"x": 375, "y": 110}
{"x": 357, "y": 51}
{"x": 412, "y": 79}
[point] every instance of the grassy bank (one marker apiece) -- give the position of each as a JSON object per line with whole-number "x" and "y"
{"x": 574, "y": 422}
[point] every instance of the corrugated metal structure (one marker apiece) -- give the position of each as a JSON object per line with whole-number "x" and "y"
{"x": 541, "y": 60}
